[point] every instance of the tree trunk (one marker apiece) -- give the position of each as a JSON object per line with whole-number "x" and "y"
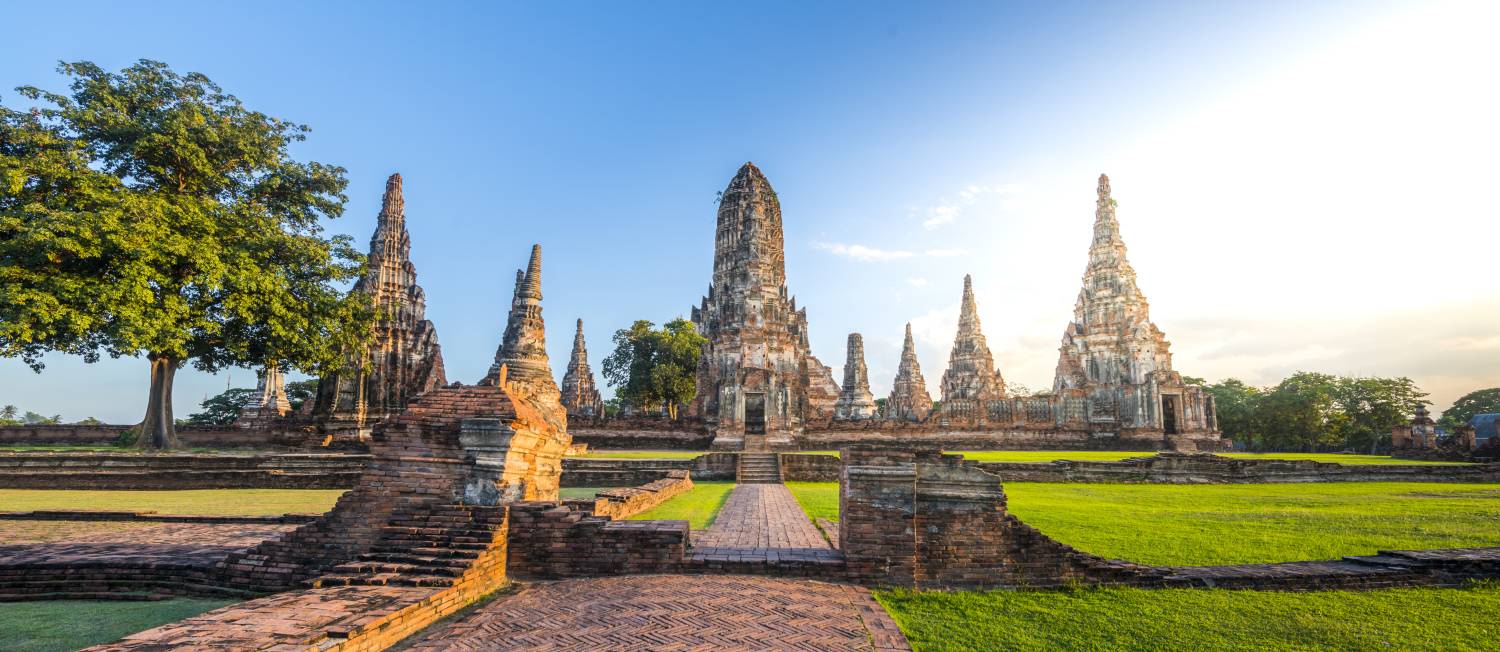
{"x": 158, "y": 429}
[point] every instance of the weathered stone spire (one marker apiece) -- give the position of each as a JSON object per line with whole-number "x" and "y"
{"x": 909, "y": 399}
{"x": 855, "y": 401}
{"x": 404, "y": 360}
{"x": 756, "y": 375}
{"x": 579, "y": 393}
{"x": 1113, "y": 356}
{"x": 524, "y": 346}
{"x": 971, "y": 380}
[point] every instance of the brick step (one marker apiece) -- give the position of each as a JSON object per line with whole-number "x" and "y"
{"x": 416, "y": 560}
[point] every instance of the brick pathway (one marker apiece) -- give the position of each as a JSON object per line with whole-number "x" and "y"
{"x": 761, "y": 516}
{"x": 675, "y": 612}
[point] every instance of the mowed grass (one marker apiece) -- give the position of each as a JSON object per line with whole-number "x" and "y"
{"x": 1187, "y": 619}
{"x": 641, "y": 455}
{"x": 64, "y": 625}
{"x": 1240, "y": 524}
{"x": 1042, "y": 457}
{"x": 699, "y": 506}
{"x": 201, "y": 502}
{"x": 580, "y": 492}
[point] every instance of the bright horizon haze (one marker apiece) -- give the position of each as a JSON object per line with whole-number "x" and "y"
{"x": 1302, "y": 186}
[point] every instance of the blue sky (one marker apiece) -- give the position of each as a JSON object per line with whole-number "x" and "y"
{"x": 1302, "y": 185}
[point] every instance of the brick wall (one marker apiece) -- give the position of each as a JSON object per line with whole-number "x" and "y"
{"x": 801, "y": 467}
{"x": 1178, "y": 468}
{"x": 133, "y": 471}
{"x": 626, "y": 502}
{"x": 553, "y": 540}
{"x": 107, "y": 435}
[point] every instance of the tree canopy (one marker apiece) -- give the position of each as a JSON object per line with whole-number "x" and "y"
{"x": 1315, "y": 411}
{"x": 655, "y": 369}
{"x": 149, "y": 213}
{"x": 1480, "y": 401}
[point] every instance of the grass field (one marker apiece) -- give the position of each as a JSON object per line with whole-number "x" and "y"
{"x": 64, "y": 625}
{"x": 203, "y": 502}
{"x": 1185, "y": 619}
{"x": 1240, "y": 524}
{"x": 581, "y": 492}
{"x": 1113, "y": 456}
{"x": 699, "y": 506}
{"x": 641, "y": 455}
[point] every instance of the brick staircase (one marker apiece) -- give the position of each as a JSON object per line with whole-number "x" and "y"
{"x": 437, "y": 547}
{"x": 759, "y": 468}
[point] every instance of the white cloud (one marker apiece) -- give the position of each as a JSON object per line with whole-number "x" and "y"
{"x": 947, "y": 211}
{"x": 917, "y": 282}
{"x": 861, "y": 252}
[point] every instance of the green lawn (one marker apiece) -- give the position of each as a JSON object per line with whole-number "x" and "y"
{"x": 580, "y": 492}
{"x": 1240, "y": 524}
{"x": 1113, "y": 456}
{"x": 818, "y": 499}
{"x": 1186, "y": 619}
{"x": 698, "y": 506}
{"x": 641, "y": 455}
{"x": 205, "y": 502}
{"x": 63, "y": 625}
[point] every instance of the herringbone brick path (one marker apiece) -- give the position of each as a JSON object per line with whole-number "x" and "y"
{"x": 675, "y": 612}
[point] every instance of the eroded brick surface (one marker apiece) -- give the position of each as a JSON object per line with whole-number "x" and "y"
{"x": 215, "y": 535}
{"x": 675, "y": 612}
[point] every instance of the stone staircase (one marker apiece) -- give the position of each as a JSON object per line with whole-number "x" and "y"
{"x": 759, "y": 468}
{"x": 436, "y": 547}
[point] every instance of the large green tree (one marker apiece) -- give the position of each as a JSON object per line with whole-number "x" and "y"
{"x": 1237, "y": 404}
{"x": 149, "y": 213}
{"x": 1481, "y": 401}
{"x": 655, "y": 369}
{"x": 1374, "y": 406}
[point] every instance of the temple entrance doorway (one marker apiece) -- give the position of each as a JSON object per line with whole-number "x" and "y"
{"x": 755, "y": 414}
{"x": 1169, "y": 415}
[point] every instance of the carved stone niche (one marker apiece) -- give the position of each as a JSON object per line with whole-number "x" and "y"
{"x": 487, "y": 444}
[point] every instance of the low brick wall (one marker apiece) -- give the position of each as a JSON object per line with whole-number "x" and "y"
{"x": 1179, "y": 468}
{"x": 107, "y": 435}
{"x": 556, "y": 540}
{"x": 903, "y": 436}
{"x": 641, "y": 434}
{"x": 801, "y": 467}
{"x": 626, "y": 502}
{"x": 134, "y": 471}
{"x": 595, "y": 472}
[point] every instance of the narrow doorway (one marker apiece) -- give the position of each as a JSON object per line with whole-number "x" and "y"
{"x": 755, "y": 414}
{"x": 1169, "y": 415}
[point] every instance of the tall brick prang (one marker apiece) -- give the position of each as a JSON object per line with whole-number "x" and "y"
{"x": 856, "y": 401}
{"x": 909, "y": 400}
{"x": 579, "y": 393}
{"x": 1114, "y": 355}
{"x": 523, "y": 348}
{"x": 758, "y": 383}
{"x": 404, "y": 360}
{"x": 971, "y": 382}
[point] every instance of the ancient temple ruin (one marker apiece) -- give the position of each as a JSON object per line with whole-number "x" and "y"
{"x": 269, "y": 401}
{"x": 403, "y": 361}
{"x": 971, "y": 382}
{"x": 856, "y": 401}
{"x": 756, "y": 377}
{"x": 579, "y": 393}
{"x": 909, "y": 400}
{"x": 1115, "y": 358}
{"x": 523, "y": 347}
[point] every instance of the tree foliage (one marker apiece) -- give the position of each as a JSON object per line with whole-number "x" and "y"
{"x": 655, "y": 369}
{"x": 1311, "y": 411}
{"x": 148, "y": 213}
{"x": 223, "y": 409}
{"x": 1481, "y": 401}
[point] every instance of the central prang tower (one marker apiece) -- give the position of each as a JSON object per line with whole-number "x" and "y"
{"x": 756, "y": 370}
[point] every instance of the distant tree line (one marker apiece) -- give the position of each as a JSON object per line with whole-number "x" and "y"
{"x": 1310, "y": 411}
